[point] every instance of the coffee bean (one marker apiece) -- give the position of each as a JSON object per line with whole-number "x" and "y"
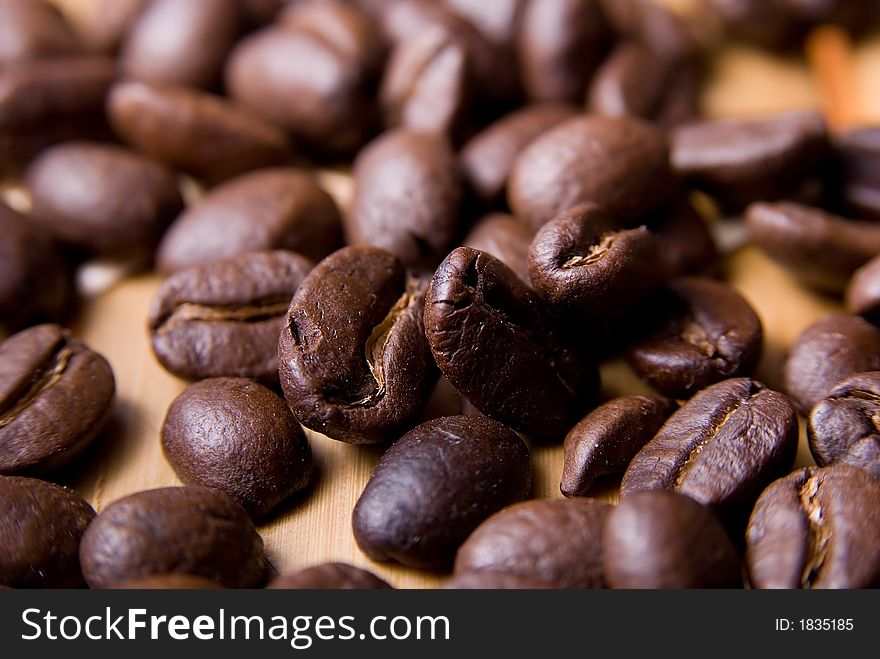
{"x": 492, "y": 339}
{"x": 620, "y": 164}
{"x": 407, "y": 197}
{"x": 844, "y": 426}
{"x": 167, "y": 582}
{"x": 686, "y": 246}
{"x": 667, "y": 540}
{"x": 239, "y": 437}
{"x": 435, "y": 485}
{"x": 654, "y": 26}
{"x": 41, "y": 525}
{"x": 173, "y": 530}
{"x": 816, "y": 528}
{"x": 55, "y": 395}
{"x": 32, "y": 29}
{"x": 266, "y": 209}
{"x": 682, "y": 103}
{"x": 195, "y": 132}
{"x": 259, "y": 12}
{"x": 556, "y": 542}
{"x": 100, "y": 25}
{"x": 505, "y": 238}
{"x": 831, "y": 349}
{"x": 855, "y": 171}
{"x": 493, "y": 581}
{"x": 765, "y": 23}
{"x": 632, "y": 82}
{"x": 720, "y": 448}
{"x": 586, "y": 267}
{"x": 102, "y": 199}
{"x": 353, "y": 359}
{"x": 487, "y": 157}
{"x": 702, "y": 331}
{"x": 330, "y": 576}
{"x": 608, "y": 438}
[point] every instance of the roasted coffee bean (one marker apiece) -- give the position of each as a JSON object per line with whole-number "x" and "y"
{"x": 608, "y": 438}
{"x": 224, "y": 317}
{"x": 505, "y": 238}
{"x": 195, "y": 132}
{"x": 407, "y": 197}
{"x": 41, "y": 525}
{"x": 653, "y": 25}
{"x": 259, "y": 12}
{"x": 744, "y": 160}
{"x": 632, "y": 82}
{"x": 497, "y": 21}
{"x": 100, "y": 25}
{"x": 35, "y": 281}
{"x": 863, "y": 291}
{"x": 667, "y": 540}
{"x": 238, "y": 437}
{"x": 766, "y": 23}
{"x": 586, "y": 267}
{"x": 845, "y": 426}
{"x": 620, "y": 164}
{"x": 817, "y": 528}
{"x": 494, "y": 581}
{"x": 180, "y": 43}
{"x": 266, "y": 209}
{"x": 682, "y": 103}
{"x": 353, "y": 359}
{"x": 167, "y": 582}
{"x": 685, "y": 245}
{"x": 487, "y": 157}
{"x": 492, "y": 339}
{"x": 330, "y": 576}
{"x": 831, "y": 349}
{"x": 821, "y": 249}
{"x": 31, "y": 29}
{"x": 703, "y": 332}
{"x": 556, "y": 542}
{"x": 55, "y": 395}
{"x": 855, "y": 172}
{"x": 173, "y": 530}
{"x": 720, "y": 448}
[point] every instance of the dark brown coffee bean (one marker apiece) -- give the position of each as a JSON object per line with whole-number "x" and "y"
{"x": 608, "y": 438}
{"x": 553, "y": 541}
{"x": 492, "y": 339}
{"x": 32, "y": 29}
{"x": 487, "y": 157}
{"x": 41, "y": 525}
{"x": 720, "y": 448}
{"x": 238, "y": 437}
{"x": 173, "y": 530}
{"x": 224, "y": 317}
{"x": 330, "y": 576}
{"x": 180, "y": 43}
{"x": 667, "y": 540}
{"x": 682, "y": 103}
{"x": 632, "y": 82}
{"x": 586, "y": 267}
{"x": 821, "y": 249}
{"x": 266, "y": 209}
{"x": 767, "y": 23}
{"x": 817, "y": 528}
{"x": 55, "y": 394}
{"x": 194, "y": 132}
{"x": 620, "y": 164}
{"x": 167, "y": 582}
{"x": 35, "y": 281}
{"x": 831, "y": 349}
{"x": 845, "y": 426}
{"x": 435, "y": 485}
{"x": 494, "y": 581}
{"x": 744, "y": 160}
{"x": 505, "y": 238}
{"x": 855, "y": 172}
{"x": 653, "y": 25}
{"x": 703, "y": 332}
{"x": 259, "y": 12}
{"x": 686, "y": 246}
{"x": 353, "y": 359}
{"x": 497, "y": 21}
{"x": 863, "y": 291}
{"x": 407, "y": 197}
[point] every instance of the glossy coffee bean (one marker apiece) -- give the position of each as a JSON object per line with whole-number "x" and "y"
{"x": 620, "y": 164}
{"x": 353, "y": 359}
{"x": 855, "y": 172}
{"x": 167, "y": 582}
{"x": 493, "y": 581}
{"x": 41, "y": 526}
{"x": 194, "y": 132}
{"x": 720, "y": 448}
{"x": 703, "y": 331}
{"x": 831, "y": 349}
{"x": 863, "y": 291}
{"x": 816, "y": 528}
{"x": 653, "y": 25}
{"x": 845, "y": 426}
{"x": 608, "y": 438}
{"x": 686, "y": 246}
{"x": 238, "y": 437}
{"x": 33, "y": 29}
{"x": 505, "y": 238}
{"x": 557, "y": 542}
{"x": 407, "y": 197}
{"x": 266, "y": 209}
{"x": 329, "y": 576}
{"x": 632, "y": 82}
{"x": 173, "y": 530}
{"x": 224, "y": 317}
{"x": 492, "y": 338}
{"x": 435, "y": 485}
{"x": 667, "y": 540}
{"x": 55, "y": 395}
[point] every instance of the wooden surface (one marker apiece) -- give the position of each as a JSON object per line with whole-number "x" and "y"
{"x": 315, "y": 526}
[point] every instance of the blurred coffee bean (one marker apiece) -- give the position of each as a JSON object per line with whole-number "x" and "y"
{"x": 686, "y": 246}
{"x": 505, "y": 238}
{"x": 855, "y": 172}
{"x": 100, "y": 25}
{"x": 863, "y": 291}
{"x": 32, "y": 29}
{"x": 766, "y": 23}
{"x": 654, "y": 26}
{"x": 329, "y": 576}
{"x": 631, "y": 82}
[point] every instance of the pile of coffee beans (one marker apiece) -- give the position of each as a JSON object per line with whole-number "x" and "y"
{"x": 534, "y": 195}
